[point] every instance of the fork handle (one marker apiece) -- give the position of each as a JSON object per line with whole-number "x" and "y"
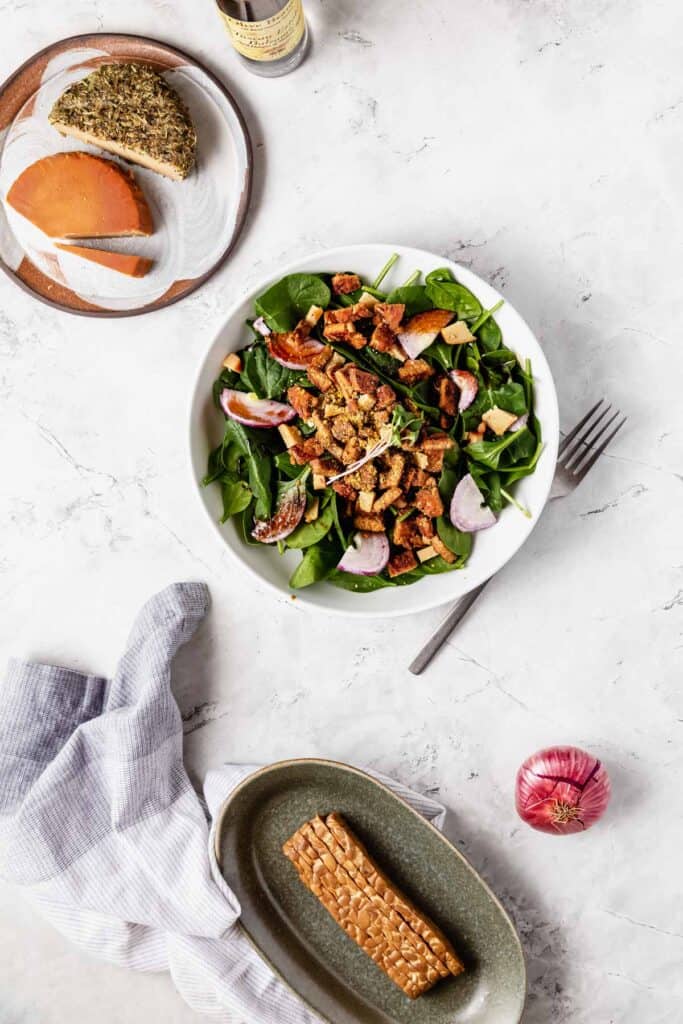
{"x": 438, "y": 639}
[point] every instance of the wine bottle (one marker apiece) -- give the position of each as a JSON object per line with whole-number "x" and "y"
{"x": 271, "y": 36}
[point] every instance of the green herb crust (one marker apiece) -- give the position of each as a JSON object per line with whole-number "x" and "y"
{"x": 130, "y": 107}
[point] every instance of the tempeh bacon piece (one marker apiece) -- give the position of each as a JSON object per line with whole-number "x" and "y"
{"x": 408, "y": 911}
{"x": 402, "y": 941}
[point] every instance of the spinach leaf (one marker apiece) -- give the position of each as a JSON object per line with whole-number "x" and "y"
{"x": 413, "y": 296}
{"x": 449, "y": 474}
{"x": 285, "y": 466}
{"x": 359, "y": 584}
{"x": 285, "y": 302}
{"x": 236, "y": 497}
{"x": 243, "y": 442}
{"x": 441, "y": 353}
{"x": 511, "y": 397}
{"x": 433, "y": 567}
{"x": 311, "y": 533}
{"x": 455, "y": 540}
{"x": 259, "y": 467}
{"x": 439, "y": 275}
{"x": 455, "y": 297}
{"x": 315, "y": 565}
{"x": 489, "y": 452}
{"x": 227, "y": 379}
{"x": 344, "y": 538}
{"x": 489, "y": 335}
{"x": 265, "y": 376}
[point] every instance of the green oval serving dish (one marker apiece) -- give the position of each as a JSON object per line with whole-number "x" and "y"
{"x": 305, "y": 946}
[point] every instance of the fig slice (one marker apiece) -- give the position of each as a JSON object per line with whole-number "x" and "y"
{"x": 290, "y": 508}
{"x": 367, "y": 555}
{"x": 468, "y": 511}
{"x": 467, "y": 385}
{"x": 253, "y": 411}
{"x": 292, "y": 352}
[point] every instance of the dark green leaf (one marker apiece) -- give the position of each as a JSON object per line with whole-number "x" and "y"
{"x": 359, "y": 584}
{"x": 315, "y": 565}
{"x": 455, "y": 540}
{"x": 455, "y": 297}
{"x": 311, "y": 533}
{"x": 489, "y": 453}
{"x": 413, "y": 296}
{"x": 236, "y": 497}
{"x": 285, "y": 302}
{"x": 264, "y": 376}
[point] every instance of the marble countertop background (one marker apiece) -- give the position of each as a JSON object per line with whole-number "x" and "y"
{"x": 539, "y": 142}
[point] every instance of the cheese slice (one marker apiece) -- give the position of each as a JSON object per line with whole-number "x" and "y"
{"x": 76, "y": 195}
{"x": 129, "y": 109}
{"x": 123, "y": 262}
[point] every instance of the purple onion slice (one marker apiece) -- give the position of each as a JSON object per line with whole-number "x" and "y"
{"x": 254, "y": 412}
{"x": 468, "y": 512}
{"x": 368, "y": 554}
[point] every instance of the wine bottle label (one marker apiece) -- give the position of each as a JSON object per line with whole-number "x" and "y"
{"x": 271, "y": 38}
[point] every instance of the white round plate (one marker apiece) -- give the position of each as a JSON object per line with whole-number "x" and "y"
{"x": 492, "y": 548}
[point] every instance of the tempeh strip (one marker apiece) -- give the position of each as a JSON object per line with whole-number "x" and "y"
{"x": 343, "y": 883}
{"x": 327, "y": 846}
{"x": 376, "y": 950}
{"x": 418, "y": 921}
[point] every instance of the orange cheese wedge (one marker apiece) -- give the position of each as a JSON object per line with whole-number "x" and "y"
{"x": 123, "y": 262}
{"x": 76, "y": 195}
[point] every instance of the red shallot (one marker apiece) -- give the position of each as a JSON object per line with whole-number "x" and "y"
{"x": 562, "y": 790}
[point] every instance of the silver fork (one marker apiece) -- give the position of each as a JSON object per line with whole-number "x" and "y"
{"x": 577, "y": 454}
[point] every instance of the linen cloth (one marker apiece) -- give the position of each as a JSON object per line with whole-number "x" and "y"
{"x": 102, "y": 829}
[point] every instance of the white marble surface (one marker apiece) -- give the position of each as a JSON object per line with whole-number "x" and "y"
{"x": 539, "y": 142}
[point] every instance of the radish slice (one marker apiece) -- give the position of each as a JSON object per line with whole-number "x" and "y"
{"x": 468, "y": 385}
{"x": 261, "y": 326}
{"x": 414, "y": 343}
{"x": 254, "y": 412}
{"x": 519, "y": 424}
{"x": 468, "y": 512}
{"x": 287, "y": 517}
{"x": 368, "y": 554}
{"x": 295, "y": 354}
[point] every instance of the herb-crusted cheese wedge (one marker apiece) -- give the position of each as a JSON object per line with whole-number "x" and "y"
{"x": 130, "y": 110}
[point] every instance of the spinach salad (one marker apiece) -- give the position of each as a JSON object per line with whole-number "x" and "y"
{"x": 373, "y": 430}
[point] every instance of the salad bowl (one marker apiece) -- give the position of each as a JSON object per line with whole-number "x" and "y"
{"x": 492, "y": 548}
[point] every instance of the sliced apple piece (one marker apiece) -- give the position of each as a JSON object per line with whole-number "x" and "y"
{"x": 457, "y": 334}
{"x": 498, "y": 420}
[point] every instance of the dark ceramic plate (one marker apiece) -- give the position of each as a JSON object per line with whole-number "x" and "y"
{"x": 197, "y": 221}
{"x": 299, "y": 939}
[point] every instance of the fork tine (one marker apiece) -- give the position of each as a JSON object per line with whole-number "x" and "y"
{"x": 586, "y": 440}
{"x": 572, "y": 433}
{"x": 585, "y": 444}
{"x": 581, "y": 471}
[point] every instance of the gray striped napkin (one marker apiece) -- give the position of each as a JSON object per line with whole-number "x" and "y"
{"x": 102, "y": 829}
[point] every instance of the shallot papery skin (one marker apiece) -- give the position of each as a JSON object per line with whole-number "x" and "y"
{"x": 562, "y": 790}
